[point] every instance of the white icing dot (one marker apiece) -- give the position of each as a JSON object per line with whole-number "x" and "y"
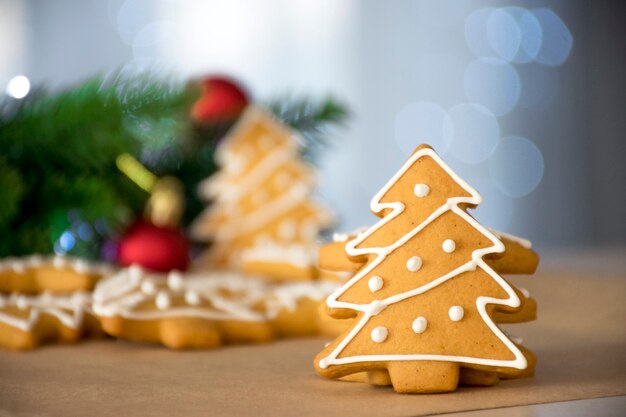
{"x": 192, "y": 298}
{"x": 162, "y": 300}
{"x": 287, "y": 230}
{"x": 421, "y": 190}
{"x": 323, "y": 363}
{"x": 80, "y": 266}
{"x": 414, "y": 263}
{"x": 419, "y": 325}
{"x": 45, "y": 297}
{"x": 448, "y": 246}
{"x": 148, "y": 287}
{"x": 17, "y": 266}
{"x": 175, "y": 281}
{"x": 379, "y": 334}
{"x": 456, "y": 313}
{"x": 375, "y": 283}
{"x": 326, "y": 344}
{"x": 135, "y": 273}
{"x": 59, "y": 262}
{"x": 21, "y": 302}
{"x": 525, "y": 292}
{"x": 34, "y": 260}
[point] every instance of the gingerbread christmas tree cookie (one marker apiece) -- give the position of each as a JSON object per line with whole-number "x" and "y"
{"x": 262, "y": 218}
{"x": 424, "y": 301}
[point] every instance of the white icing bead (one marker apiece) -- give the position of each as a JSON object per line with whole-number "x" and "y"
{"x": 21, "y": 302}
{"x": 379, "y": 334}
{"x": 135, "y": 274}
{"x": 287, "y": 230}
{"x": 192, "y": 298}
{"x": 326, "y": 344}
{"x": 340, "y": 237}
{"x": 59, "y": 262}
{"x": 375, "y": 283}
{"x": 35, "y": 260}
{"x": 17, "y": 266}
{"x": 456, "y": 313}
{"x": 175, "y": 281}
{"x": 414, "y": 263}
{"x": 162, "y": 300}
{"x": 45, "y": 297}
{"x": 448, "y": 246}
{"x": 80, "y": 266}
{"x": 419, "y": 325}
{"x": 79, "y": 298}
{"x": 525, "y": 292}
{"x": 421, "y": 190}
{"x": 148, "y": 287}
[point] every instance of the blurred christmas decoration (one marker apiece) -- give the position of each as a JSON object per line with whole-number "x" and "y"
{"x": 221, "y": 100}
{"x": 263, "y": 219}
{"x": 60, "y": 189}
{"x": 157, "y": 241}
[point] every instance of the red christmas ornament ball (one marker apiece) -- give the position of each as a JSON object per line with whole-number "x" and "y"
{"x": 157, "y": 248}
{"x": 222, "y": 99}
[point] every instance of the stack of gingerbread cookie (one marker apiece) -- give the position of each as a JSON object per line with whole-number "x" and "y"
{"x": 423, "y": 310}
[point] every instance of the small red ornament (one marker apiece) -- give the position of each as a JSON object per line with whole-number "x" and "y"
{"x": 222, "y": 99}
{"x": 157, "y": 248}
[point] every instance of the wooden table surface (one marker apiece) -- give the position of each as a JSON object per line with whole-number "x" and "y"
{"x": 580, "y": 340}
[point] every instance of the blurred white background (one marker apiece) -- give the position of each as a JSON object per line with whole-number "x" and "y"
{"x": 523, "y": 99}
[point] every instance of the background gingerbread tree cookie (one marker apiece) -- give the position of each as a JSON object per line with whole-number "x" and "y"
{"x": 424, "y": 299}
{"x": 262, "y": 218}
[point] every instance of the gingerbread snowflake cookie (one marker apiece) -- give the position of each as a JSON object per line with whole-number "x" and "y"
{"x": 204, "y": 310}
{"x": 57, "y": 274}
{"x": 424, "y": 300}
{"x": 27, "y": 321}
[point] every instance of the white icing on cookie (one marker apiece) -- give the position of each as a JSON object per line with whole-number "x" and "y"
{"x": 217, "y": 295}
{"x": 379, "y": 334}
{"x": 456, "y": 313}
{"x": 419, "y": 325}
{"x": 22, "y": 264}
{"x": 300, "y": 256}
{"x": 68, "y": 309}
{"x": 448, "y": 246}
{"x": 421, "y": 190}
{"x": 375, "y": 307}
{"x": 414, "y": 263}
{"x": 375, "y": 283}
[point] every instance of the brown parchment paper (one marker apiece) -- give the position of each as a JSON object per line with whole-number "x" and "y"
{"x": 580, "y": 340}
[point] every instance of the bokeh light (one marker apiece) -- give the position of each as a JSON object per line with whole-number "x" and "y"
{"x": 503, "y": 34}
{"x": 557, "y": 39}
{"x": 423, "y": 122}
{"x": 530, "y": 31}
{"x": 18, "y": 87}
{"x": 475, "y": 132}
{"x": 516, "y": 166}
{"x": 493, "y": 83}
{"x": 476, "y": 32}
